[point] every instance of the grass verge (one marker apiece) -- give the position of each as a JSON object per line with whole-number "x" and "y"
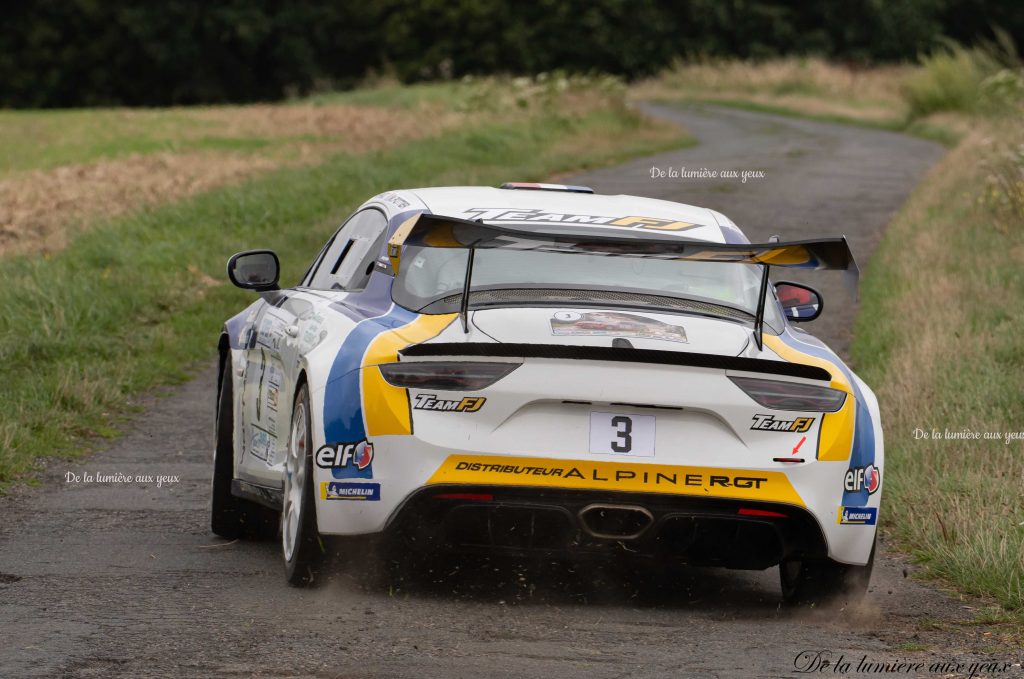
{"x": 939, "y": 336}
{"x": 813, "y": 89}
{"x": 941, "y": 319}
{"x": 133, "y": 302}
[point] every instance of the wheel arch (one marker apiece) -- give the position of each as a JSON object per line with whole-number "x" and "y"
{"x": 223, "y": 354}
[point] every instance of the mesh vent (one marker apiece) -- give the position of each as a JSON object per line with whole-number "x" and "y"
{"x": 520, "y": 295}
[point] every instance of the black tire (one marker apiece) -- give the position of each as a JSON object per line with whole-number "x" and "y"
{"x": 303, "y": 548}
{"x": 824, "y": 582}
{"x": 233, "y": 517}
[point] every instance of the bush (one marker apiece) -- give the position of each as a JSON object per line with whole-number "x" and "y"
{"x": 949, "y": 80}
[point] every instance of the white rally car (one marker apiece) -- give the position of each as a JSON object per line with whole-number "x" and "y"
{"x": 539, "y": 370}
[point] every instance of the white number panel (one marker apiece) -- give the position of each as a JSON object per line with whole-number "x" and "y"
{"x": 618, "y": 434}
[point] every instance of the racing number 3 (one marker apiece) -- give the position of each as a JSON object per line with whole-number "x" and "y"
{"x": 620, "y": 434}
{"x": 623, "y": 442}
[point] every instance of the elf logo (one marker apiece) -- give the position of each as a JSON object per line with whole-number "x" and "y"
{"x": 862, "y": 478}
{"x": 347, "y": 460}
{"x": 769, "y": 423}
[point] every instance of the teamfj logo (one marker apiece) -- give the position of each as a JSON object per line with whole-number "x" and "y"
{"x": 862, "y": 478}
{"x": 347, "y": 460}
{"x": 468, "y": 404}
{"x": 546, "y": 217}
{"x": 769, "y": 423}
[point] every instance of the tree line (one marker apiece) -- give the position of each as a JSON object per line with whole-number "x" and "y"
{"x": 56, "y": 53}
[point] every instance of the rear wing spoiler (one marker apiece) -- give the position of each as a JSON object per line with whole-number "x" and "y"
{"x": 437, "y": 231}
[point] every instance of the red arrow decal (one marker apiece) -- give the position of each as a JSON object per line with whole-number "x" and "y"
{"x": 797, "y": 446}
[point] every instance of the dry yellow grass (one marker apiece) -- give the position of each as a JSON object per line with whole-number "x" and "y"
{"x": 811, "y": 86}
{"x": 41, "y": 209}
{"x": 354, "y": 129}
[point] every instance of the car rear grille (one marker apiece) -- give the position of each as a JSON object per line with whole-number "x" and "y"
{"x": 681, "y": 529}
{"x": 511, "y": 527}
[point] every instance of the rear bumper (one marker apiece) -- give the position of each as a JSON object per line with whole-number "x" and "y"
{"x": 527, "y": 521}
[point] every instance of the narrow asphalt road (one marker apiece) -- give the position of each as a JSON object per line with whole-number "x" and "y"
{"x": 125, "y": 580}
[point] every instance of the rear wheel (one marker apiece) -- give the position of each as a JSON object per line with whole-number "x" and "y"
{"x": 824, "y": 581}
{"x": 233, "y": 517}
{"x": 303, "y": 547}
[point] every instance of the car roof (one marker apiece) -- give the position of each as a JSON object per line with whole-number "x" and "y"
{"x": 548, "y": 209}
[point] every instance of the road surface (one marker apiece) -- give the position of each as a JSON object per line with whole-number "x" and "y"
{"x": 125, "y": 580}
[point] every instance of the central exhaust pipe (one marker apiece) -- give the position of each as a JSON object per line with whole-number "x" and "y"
{"x": 615, "y": 522}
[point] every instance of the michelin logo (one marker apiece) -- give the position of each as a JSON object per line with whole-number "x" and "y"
{"x": 338, "y": 490}
{"x": 857, "y": 516}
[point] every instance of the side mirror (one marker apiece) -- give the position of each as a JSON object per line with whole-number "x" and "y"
{"x": 799, "y": 302}
{"x": 255, "y": 270}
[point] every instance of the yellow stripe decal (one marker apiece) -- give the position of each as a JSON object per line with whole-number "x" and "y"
{"x": 398, "y": 239}
{"x": 386, "y": 407}
{"x": 765, "y": 486}
{"x": 835, "y": 441}
{"x": 784, "y": 256}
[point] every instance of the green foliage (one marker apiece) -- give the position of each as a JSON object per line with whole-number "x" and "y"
{"x": 950, "y": 80}
{"x": 984, "y": 79}
{"x": 87, "y": 52}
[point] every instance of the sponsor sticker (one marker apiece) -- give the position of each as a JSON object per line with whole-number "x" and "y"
{"x": 395, "y": 200}
{"x": 467, "y": 404}
{"x": 340, "y": 490}
{"x": 862, "y": 478}
{"x": 546, "y": 217}
{"x": 769, "y": 423}
{"x": 618, "y": 476}
{"x": 261, "y": 446}
{"x": 347, "y": 460}
{"x": 857, "y": 516}
{"x": 615, "y": 324}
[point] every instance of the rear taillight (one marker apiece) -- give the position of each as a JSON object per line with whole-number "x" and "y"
{"x": 791, "y": 395}
{"x": 746, "y": 511}
{"x": 445, "y": 375}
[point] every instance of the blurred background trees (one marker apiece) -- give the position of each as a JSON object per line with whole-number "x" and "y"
{"x": 57, "y": 53}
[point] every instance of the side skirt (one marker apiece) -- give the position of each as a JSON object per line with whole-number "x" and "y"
{"x": 264, "y": 495}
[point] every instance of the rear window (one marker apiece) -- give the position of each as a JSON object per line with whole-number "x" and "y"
{"x": 431, "y": 281}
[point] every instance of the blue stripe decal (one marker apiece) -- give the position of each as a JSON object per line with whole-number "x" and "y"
{"x": 732, "y": 235}
{"x": 343, "y": 399}
{"x": 343, "y": 402}
{"x": 863, "y": 452}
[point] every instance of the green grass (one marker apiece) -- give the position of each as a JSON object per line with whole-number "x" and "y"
{"x": 939, "y": 335}
{"x": 472, "y": 94}
{"x": 949, "y": 80}
{"x": 129, "y": 305}
{"x": 44, "y": 139}
{"x": 942, "y": 135}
